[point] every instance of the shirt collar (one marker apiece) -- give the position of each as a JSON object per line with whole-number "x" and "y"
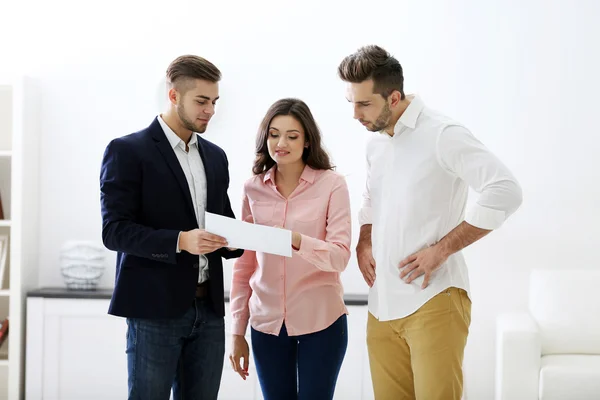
{"x": 172, "y": 137}
{"x": 410, "y": 115}
{"x": 308, "y": 174}
{"x": 269, "y": 174}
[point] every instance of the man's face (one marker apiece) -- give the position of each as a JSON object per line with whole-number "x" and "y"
{"x": 370, "y": 109}
{"x": 196, "y": 105}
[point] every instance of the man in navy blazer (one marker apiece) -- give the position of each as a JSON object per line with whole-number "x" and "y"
{"x": 155, "y": 186}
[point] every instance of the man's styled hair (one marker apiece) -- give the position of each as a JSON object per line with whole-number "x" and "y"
{"x": 373, "y": 62}
{"x": 186, "y": 68}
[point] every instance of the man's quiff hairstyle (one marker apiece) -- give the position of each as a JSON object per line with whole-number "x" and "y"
{"x": 185, "y": 69}
{"x": 373, "y": 62}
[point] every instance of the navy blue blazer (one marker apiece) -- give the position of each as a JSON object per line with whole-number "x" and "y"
{"x": 146, "y": 201}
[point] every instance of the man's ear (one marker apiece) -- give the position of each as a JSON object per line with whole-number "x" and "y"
{"x": 173, "y": 95}
{"x": 395, "y": 98}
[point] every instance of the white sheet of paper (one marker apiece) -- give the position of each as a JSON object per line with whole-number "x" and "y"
{"x": 248, "y": 236}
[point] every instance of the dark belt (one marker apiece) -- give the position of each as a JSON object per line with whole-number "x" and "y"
{"x": 202, "y": 290}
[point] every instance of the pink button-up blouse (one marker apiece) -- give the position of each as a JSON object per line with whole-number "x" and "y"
{"x": 304, "y": 291}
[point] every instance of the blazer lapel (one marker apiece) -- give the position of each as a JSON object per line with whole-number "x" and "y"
{"x": 210, "y": 174}
{"x": 168, "y": 154}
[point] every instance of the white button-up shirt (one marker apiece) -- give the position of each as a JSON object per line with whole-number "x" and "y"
{"x": 416, "y": 192}
{"x": 193, "y": 169}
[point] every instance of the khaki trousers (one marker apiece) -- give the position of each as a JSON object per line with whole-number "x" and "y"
{"x": 420, "y": 357}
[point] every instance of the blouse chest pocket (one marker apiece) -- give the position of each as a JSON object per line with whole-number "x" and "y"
{"x": 308, "y": 217}
{"x": 309, "y": 210}
{"x": 262, "y": 211}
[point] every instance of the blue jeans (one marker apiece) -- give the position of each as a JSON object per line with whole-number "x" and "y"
{"x": 185, "y": 354}
{"x": 304, "y": 367}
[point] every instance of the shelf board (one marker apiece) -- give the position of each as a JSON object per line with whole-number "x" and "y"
{"x": 5, "y": 153}
{"x": 4, "y": 292}
{"x": 4, "y": 222}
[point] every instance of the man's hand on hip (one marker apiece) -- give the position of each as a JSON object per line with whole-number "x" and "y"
{"x": 198, "y": 241}
{"x": 423, "y": 262}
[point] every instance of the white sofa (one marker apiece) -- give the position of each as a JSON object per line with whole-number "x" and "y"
{"x": 552, "y": 351}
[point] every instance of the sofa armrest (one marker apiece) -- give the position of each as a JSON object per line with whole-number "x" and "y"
{"x": 518, "y": 357}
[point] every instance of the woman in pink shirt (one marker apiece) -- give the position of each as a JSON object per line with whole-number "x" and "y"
{"x": 295, "y": 305}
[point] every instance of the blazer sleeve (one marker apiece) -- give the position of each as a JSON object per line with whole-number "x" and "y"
{"x": 228, "y": 212}
{"x": 120, "y": 201}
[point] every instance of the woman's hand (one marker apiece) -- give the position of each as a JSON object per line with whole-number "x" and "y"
{"x": 296, "y": 240}
{"x": 240, "y": 350}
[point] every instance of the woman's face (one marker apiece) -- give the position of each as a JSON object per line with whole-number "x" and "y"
{"x": 286, "y": 141}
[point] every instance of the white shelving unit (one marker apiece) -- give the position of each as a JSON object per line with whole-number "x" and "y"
{"x": 19, "y": 183}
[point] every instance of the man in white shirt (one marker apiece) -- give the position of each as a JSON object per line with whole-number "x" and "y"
{"x": 414, "y": 226}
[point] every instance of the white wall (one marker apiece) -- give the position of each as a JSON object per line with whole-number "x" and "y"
{"x": 521, "y": 74}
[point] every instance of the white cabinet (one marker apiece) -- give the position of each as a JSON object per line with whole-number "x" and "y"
{"x": 75, "y": 351}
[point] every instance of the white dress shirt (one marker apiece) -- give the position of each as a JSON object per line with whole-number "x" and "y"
{"x": 193, "y": 169}
{"x": 416, "y": 192}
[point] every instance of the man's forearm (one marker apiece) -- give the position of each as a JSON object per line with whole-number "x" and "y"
{"x": 364, "y": 238}
{"x": 460, "y": 237}
{"x": 139, "y": 240}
